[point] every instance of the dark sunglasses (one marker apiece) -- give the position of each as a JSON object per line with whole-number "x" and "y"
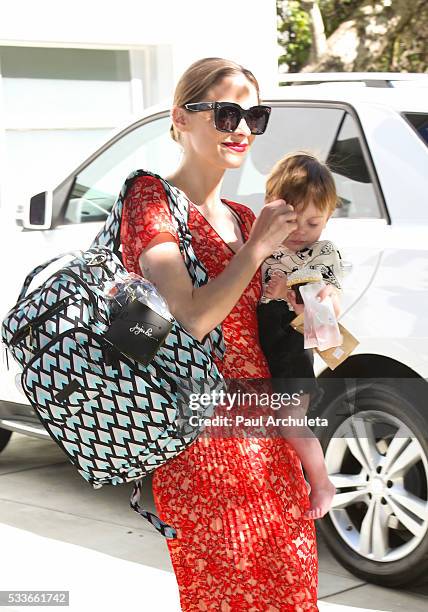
{"x": 228, "y": 115}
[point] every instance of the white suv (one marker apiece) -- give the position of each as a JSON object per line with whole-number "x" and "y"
{"x": 376, "y": 142}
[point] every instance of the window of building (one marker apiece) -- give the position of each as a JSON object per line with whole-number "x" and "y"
{"x": 58, "y": 106}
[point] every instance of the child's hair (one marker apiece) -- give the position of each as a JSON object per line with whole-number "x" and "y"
{"x": 301, "y": 178}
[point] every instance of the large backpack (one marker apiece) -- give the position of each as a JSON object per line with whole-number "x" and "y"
{"x": 115, "y": 419}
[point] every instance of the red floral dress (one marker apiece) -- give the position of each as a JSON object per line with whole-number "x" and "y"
{"x": 237, "y": 503}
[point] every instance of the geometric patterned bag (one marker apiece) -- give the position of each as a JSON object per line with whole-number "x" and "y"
{"x": 116, "y": 419}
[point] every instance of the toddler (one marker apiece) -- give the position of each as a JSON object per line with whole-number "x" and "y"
{"x": 307, "y": 184}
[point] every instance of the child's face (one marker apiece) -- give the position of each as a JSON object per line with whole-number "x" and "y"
{"x": 310, "y": 223}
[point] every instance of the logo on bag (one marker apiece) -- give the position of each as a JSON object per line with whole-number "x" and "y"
{"x": 140, "y": 330}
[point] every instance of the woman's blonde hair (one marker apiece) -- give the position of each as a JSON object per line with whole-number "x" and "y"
{"x": 201, "y": 76}
{"x": 300, "y": 178}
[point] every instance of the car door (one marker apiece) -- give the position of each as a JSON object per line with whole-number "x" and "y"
{"x": 81, "y": 204}
{"x": 333, "y": 133}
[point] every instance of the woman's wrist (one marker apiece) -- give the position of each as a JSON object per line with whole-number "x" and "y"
{"x": 256, "y": 253}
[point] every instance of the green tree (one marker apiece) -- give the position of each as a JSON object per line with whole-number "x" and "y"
{"x": 294, "y": 34}
{"x": 363, "y": 35}
{"x": 335, "y": 12}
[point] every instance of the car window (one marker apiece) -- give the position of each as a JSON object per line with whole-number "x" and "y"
{"x": 420, "y": 122}
{"x": 330, "y": 133}
{"x": 95, "y": 190}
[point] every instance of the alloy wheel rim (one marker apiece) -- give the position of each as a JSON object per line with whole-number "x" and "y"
{"x": 375, "y": 511}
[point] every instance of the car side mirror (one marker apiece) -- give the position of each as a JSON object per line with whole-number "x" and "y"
{"x": 38, "y": 214}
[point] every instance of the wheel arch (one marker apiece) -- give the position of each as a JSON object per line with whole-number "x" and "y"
{"x": 369, "y": 365}
{"x": 372, "y": 366}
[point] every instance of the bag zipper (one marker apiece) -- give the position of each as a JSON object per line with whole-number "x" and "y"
{"x": 28, "y": 328}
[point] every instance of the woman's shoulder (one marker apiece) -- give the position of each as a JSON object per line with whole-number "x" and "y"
{"x": 146, "y": 211}
{"x": 142, "y": 188}
{"x": 144, "y": 179}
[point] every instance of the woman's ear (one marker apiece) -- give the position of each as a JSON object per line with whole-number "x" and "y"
{"x": 179, "y": 118}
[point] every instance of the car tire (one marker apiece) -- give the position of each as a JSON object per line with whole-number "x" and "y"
{"x": 5, "y": 436}
{"x": 377, "y": 527}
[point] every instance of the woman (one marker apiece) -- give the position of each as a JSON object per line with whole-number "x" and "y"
{"x": 237, "y": 503}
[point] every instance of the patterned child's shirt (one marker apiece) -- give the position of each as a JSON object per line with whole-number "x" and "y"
{"x": 322, "y": 256}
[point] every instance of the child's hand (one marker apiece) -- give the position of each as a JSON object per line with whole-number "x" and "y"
{"x": 329, "y": 289}
{"x": 291, "y": 299}
{"x": 334, "y": 293}
{"x": 277, "y": 287}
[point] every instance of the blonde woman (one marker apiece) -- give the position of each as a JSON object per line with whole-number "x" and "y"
{"x": 237, "y": 503}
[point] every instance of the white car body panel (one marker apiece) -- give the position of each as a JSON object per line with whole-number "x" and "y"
{"x": 385, "y": 294}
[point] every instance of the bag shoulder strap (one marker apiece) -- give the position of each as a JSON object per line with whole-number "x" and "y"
{"x": 166, "y": 530}
{"x": 109, "y": 236}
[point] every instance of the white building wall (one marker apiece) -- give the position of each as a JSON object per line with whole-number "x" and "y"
{"x": 243, "y": 30}
{"x": 49, "y": 124}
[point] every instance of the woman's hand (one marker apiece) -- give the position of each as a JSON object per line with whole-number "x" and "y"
{"x": 276, "y": 221}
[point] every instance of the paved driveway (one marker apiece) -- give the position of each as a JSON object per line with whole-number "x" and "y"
{"x": 57, "y": 533}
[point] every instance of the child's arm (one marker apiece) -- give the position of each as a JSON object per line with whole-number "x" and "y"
{"x": 277, "y": 289}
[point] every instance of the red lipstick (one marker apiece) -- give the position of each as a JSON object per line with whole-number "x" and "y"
{"x": 238, "y": 147}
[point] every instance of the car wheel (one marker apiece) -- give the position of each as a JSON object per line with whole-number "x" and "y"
{"x": 376, "y": 452}
{"x": 5, "y": 435}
